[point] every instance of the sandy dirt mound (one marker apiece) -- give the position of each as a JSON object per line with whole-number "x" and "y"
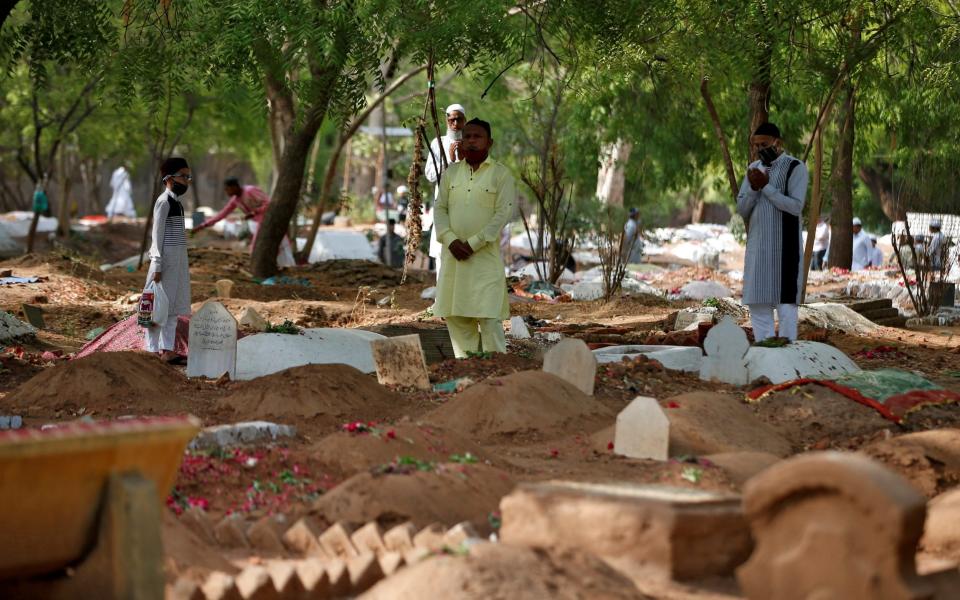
{"x": 186, "y": 555}
{"x": 817, "y": 418}
{"x": 500, "y": 571}
{"x": 447, "y": 493}
{"x": 314, "y": 397}
{"x": 709, "y": 423}
{"x": 529, "y": 402}
{"x": 347, "y": 453}
{"x": 106, "y": 384}
{"x": 930, "y": 460}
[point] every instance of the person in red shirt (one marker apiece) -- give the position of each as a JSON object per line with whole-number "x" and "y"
{"x": 253, "y": 202}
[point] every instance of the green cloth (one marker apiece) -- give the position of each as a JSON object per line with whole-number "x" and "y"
{"x": 884, "y": 383}
{"x": 40, "y": 201}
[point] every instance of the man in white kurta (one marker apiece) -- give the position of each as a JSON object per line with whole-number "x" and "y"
{"x": 876, "y": 254}
{"x": 771, "y": 200}
{"x": 447, "y": 146}
{"x": 861, "y": 247}
{"x": 476, "y": 199}
{"x": 121, "y": 203}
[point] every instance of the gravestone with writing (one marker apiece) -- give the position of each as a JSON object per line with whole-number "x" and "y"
{"x": 213, "y": 342}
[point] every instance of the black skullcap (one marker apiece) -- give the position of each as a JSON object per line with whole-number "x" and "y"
{"x": 483, "y": 124}
{"x": 768, "y": 129}
{"x": 231, "y": 182}
{"x": 172, "y": 165}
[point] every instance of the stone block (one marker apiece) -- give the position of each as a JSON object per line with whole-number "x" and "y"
{"x": 400, "y": 537}
{"x": 415, "y": 555}
{"x": 572, "y": 361}
{"x": 457, "y": 535}
{"x": 286, "y": 580}
{"x": 234, "y": 434}
{"x": 364, "y": 572}
{"x": 369, "y": 538}
{"x": 303, "y": 537}
{"x": 726, "y": 346}
{"x": 199, "y": 522}
{"x": 266, "y": 534}
{"x": 518, "y": 329}
{"x": 254, "y": 583}
{"x": 231, "y": 532}
{"x": 942, "y": 529}
{"x": 642, "y": 430}
{"x": 390, "y": 562}
{"x": 221, "y": 586}
{"x": 34, "y": 315}
{"x": 185, "y": 589}
{"x": 12, "y": 327}
{"x": 224, "y": 288}
{"x": 336, "y": 542}
{"x": 430, "y": 537}
{"x": 400, "y": 361}
{"x": 213, "y": 342}
{"x": 339, "y": 577}
{"x": 684, "y": 533}
{"x": 833, "y": 525}
{"x": 314, "y": 578}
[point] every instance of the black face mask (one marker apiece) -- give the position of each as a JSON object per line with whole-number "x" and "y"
{"x": 179, "y": 188}
{"x": 768, "y": 155}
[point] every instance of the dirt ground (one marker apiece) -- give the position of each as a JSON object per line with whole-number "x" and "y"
{"x": 421, "y": 455}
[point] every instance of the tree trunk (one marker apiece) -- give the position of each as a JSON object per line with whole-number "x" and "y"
{"x": 878, "y": 177}
{"x": 281, "y": 117}
{"x": 841, "y": 185}
{"x": 759, "y": 93}
{"x": 611, "y": 178}
{"x": 63, "y": 214}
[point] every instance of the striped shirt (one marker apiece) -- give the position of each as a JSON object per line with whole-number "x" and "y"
{"x": 168, "y": 227}
{"x": 771, "y": 273}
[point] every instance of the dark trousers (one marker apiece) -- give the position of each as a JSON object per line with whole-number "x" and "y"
{"x": 817, "y": 263}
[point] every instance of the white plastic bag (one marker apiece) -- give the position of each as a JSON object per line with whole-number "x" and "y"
{"x": 154, "y": 305}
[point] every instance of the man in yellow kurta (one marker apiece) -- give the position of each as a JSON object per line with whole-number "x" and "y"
{"x": 476, "y": 201}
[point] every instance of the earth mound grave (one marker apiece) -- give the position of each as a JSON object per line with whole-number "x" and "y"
{"x": 528, "y": 401}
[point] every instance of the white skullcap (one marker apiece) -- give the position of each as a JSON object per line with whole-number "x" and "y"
{"x": 936, "y": 223}
{"x": 457, "y": 108}
{"x": 856, "y": 221}
{"x": 402, "y": 189}
{"x": 873, "y": 238}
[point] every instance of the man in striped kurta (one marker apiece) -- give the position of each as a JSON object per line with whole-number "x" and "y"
{"x": 771, "y": 202}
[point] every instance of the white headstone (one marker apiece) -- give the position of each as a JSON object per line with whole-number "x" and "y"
{"x": 572, "y": 361}
{"x": 251, "y": 319}
{"x": 798, "y": 360}
{"x": 643, "y": 430}
{"x": 726, "y": 345}
{"x": 224, "y": 288}
{"x": 675, "y": 358}
{"x": 400, "y": 361}
{"x": 333, "y": 244}
{"x": 429, "y": 293}
{"x": 213, "y": 342}
{"x": 518, "y": 329}
{"x": 267, "y": 353}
